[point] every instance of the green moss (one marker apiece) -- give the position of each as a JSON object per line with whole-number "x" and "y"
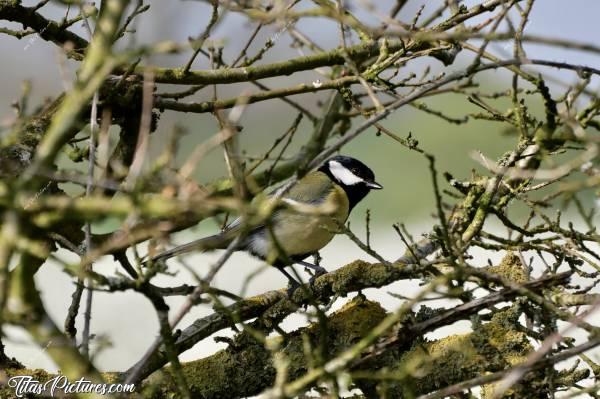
{"x": 245, "y": 367}
{"x": 38, "y": 374}
{"x": 355, "y": 275}
{"x": 500, "y": 341}
{"x": 429, "y": 366}
{"x": 446, "y": 360}
{"x": 348, "y": 325}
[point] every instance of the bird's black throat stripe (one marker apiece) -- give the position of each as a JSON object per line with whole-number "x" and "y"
{"x": 355, "y": 192}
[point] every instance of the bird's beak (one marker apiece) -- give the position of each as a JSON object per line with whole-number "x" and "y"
{"x": 374, "y": 185}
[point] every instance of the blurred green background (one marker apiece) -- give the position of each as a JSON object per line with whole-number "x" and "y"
{"x": 127, "y": 318}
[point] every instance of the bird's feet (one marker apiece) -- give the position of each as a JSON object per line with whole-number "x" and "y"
{"x": 317, "y": 271}
{"x": 316, "y": 275}
{"x": 292, "y": 287}
{"x": 293, "y": 283}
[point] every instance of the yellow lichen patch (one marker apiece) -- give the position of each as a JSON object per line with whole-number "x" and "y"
{"x": 345, "y": 327}
{"x": 510, "y": 268}
{"x": 429, "y": 366}
{"x": 246, "y": 366}
{"x": 354, "y": 320}
{"x": 345, "y": 277}
{"x": 501, "y": 334}
{"x": 449, "y": 355}
{"x": 489, "y": 391}
{"x": 38, "y": 374}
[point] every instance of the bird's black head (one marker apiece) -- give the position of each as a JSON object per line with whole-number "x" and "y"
{"x": 356, "y": 178}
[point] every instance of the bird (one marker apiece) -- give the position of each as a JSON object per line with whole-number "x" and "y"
{"x": 313, "y": 209}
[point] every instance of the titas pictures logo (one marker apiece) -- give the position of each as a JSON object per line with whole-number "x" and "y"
{"x": 59, "y": 385}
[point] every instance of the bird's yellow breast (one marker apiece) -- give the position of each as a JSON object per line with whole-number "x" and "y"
{"x": 305, "y": 229}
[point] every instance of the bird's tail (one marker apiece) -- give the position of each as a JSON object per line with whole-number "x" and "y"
{"x": 217, "y": 241}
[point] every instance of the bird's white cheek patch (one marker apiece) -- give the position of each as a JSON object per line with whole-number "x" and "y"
{"x": 343, "y": 175}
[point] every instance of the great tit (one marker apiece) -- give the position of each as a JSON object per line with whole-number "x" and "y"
{"x": 314, "y": 208}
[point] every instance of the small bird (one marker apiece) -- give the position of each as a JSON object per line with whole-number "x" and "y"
{"x": 314, "y": 208}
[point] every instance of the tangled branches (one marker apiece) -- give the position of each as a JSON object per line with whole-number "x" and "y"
{"x": 532, "y": 210}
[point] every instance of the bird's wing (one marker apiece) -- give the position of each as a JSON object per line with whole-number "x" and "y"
{"x": 311, "y": 190}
